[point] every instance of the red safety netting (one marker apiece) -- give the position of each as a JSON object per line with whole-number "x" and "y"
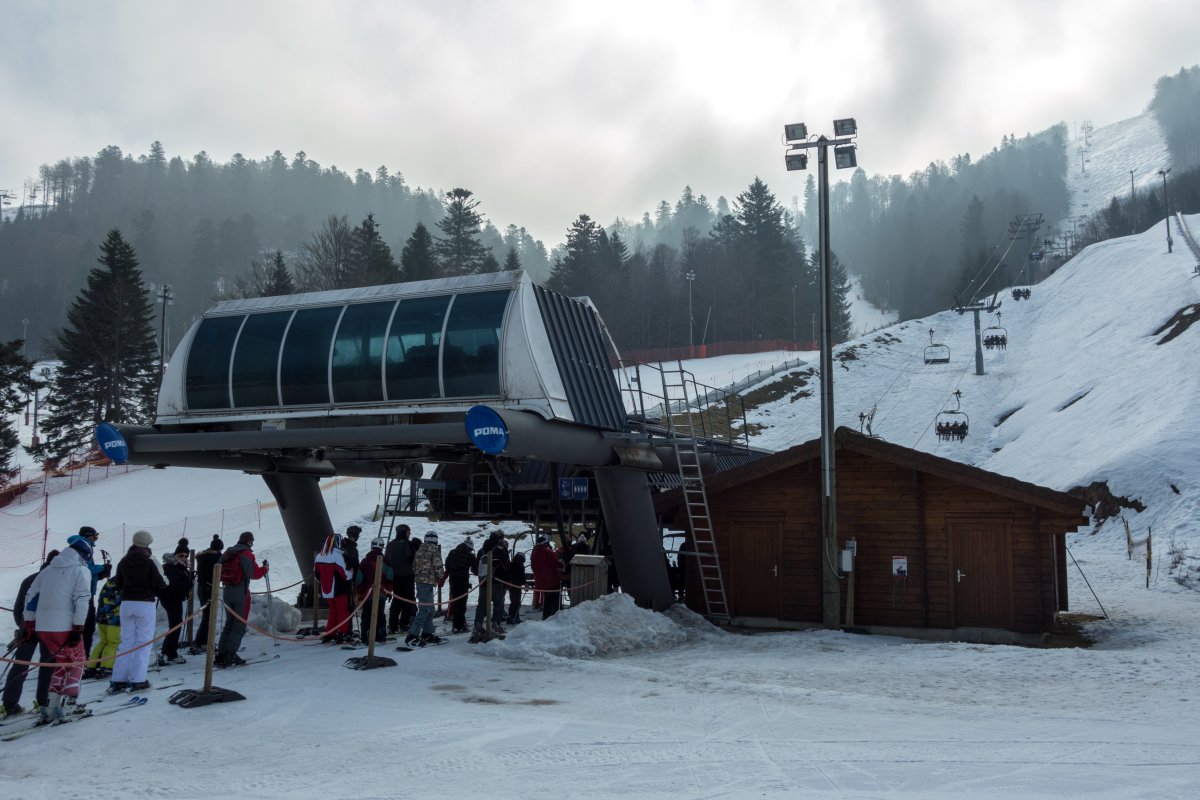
{"x": 23, "y": 538}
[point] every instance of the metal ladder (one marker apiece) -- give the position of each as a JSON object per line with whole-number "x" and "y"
{"x": 393, "y": 496}
{"x": 684, "y": 421}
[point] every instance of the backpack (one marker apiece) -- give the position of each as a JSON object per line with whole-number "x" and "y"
{"x": 231, "y": 569}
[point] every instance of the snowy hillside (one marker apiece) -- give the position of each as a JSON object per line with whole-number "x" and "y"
{"x": 1098, "y": 164}
{"x": 1082, "y": 393}
{"x": 610, "y": 701}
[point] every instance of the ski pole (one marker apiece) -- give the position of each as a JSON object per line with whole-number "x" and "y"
{"x": 270, "y": 610}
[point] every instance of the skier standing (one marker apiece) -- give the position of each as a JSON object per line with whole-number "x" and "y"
{"x": 330, "y": 569}
{"x": 458, "y": 567}
{"x": 56, "y": 608}
{"x": 427, "y": 571}
{"x": 238, "y": 568}
{"x": 205, "y": 560}
{"x": 179, "y": 583}
{"x": 108, "y": 625}
{"x": 547, "y": 575}
{"x": 26, "y": 646}
{"x": 372, "y": 561}
{"x": 140, "y": 584}
{"x": 400, "y": 554}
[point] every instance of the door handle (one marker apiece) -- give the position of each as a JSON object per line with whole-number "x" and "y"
{"x": 775, "y": 570}
{"x": 959, "y": 575}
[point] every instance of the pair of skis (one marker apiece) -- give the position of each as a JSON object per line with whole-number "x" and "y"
{"x": 137, "y": 701}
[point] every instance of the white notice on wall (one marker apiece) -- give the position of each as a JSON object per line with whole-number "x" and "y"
{"x": 900, "y": 566}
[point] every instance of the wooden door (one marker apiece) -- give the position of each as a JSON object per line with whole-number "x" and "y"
{"x": 981, "y": 573}
{"x": 754, "y": 567}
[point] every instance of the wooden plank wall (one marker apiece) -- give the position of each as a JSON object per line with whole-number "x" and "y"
{"x": 890, "y": 510}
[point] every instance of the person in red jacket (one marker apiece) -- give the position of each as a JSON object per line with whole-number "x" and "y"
{"x": 547, "y": 575}
{"x": 366, "y": 581}
{"x": 238, "y": 568}
{"x": 330, "y": 569}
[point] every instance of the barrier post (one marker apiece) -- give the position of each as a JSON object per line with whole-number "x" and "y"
{"x": 370, "y": 660}
{"x": 194, "y": 698}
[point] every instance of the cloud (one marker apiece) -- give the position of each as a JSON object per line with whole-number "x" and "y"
{"x": 549, "y": 109}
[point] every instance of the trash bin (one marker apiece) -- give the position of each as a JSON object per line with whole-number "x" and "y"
{"x": 589, "y": 578}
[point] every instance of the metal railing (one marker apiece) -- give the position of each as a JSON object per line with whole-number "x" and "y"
{"x": 1187, "y": 237}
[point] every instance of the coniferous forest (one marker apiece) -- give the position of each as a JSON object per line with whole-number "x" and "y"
{"x": 747, "y": 265}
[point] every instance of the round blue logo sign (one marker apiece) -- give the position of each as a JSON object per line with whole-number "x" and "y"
{"x": 487, "y": 430}
{"x": 112, "y": 443}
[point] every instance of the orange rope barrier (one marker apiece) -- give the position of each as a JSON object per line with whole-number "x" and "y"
{"x": 114, "y": 657}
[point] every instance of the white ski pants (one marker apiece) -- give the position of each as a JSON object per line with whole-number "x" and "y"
{"x": 137, "y": 628}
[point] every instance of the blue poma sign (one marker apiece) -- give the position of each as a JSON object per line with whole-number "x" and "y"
{"x": 112, "y": 443}
{"x": 487, "y": 430}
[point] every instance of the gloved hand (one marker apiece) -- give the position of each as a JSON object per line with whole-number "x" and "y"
{"x": 266, "y": 565}
{"x": 75, "y": 636}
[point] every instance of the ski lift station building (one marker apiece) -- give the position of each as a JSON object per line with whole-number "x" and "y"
{"x": 942, "y": 548}
{"x": 369, "y": 381}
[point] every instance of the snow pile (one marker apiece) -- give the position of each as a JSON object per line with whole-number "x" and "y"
{"x": 284, "y": 617}
{"x": 609, "y": 626}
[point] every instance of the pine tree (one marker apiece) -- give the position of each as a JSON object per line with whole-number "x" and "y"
{"x": 371, "y": 262}
{"x": 459, "y": 249}
{"x": 490, "y": 263}
{"x": 418, "y": 260}
{"x": 109, "y": 369}
{"x": 574, "y": 271}
{"x": 512, "y": 262}
{"x": 15, "y": 383}
{"x": 280, "y": 279}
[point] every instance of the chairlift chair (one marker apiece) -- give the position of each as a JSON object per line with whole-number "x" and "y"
{"x": 1021, "y": 293}
{"x": 936, "y": 353}
{"x": 952, "y": 425}
{"x": 995, "y": 337}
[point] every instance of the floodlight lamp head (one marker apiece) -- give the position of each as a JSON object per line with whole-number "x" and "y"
{"x": 845, "y": 127}
{"x": 844, "y": 156}
{"x": 796, "y": 132}
{"x": 796, "y": 161}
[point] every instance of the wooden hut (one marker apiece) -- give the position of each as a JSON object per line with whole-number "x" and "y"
{"x": 939, "y": 545}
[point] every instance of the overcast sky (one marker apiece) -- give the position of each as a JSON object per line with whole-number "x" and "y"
{"x": 551, "y": 108}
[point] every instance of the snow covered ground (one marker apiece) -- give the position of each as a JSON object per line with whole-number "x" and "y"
{"x": 609, "y": 701}
{"x": 1099, "y": 165}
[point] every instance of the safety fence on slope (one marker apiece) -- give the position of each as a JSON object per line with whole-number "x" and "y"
{"x": 1192, "y": 244}
{"x": 24, "y": 482}
{"x": 25, "y": 538}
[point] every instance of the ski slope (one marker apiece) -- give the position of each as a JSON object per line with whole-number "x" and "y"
{"x": 609, "y": 701}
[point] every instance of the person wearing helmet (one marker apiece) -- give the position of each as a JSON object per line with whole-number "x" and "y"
{"x": 365, "y": 580}
{"x": 399, "y": 554}
{"x": 429, "y": 571}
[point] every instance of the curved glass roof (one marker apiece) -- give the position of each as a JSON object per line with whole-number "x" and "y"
{"x": 408, "y": 349}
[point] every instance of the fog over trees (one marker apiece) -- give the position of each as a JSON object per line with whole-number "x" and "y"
{"x": 278, "y": 225}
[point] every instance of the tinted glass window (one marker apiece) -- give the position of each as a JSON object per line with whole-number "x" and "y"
{"x": 207, "y": 378}
{"x": 257, "y": 359}
{"x": 358, "y": 353}
{"x": 412, "y": 348}
{"x": 471, "y": 357}
{"x": 304, "y": 372}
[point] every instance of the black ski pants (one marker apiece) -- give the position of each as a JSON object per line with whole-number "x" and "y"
{"x": 400, "y": 616}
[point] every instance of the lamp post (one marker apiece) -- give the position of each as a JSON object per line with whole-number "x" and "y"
{"x": 1167, "y": 206}
{"x": 794, "y": 336}
{"x": 166, "y": 297}
{"x": 24, "y": 334}
{"x": 797, "y": 140}
{"x": 691, "y": 277}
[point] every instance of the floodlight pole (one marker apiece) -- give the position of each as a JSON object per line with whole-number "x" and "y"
{"x": 166, "y": 298}
{"x": 691, "y": 277}
{"x": 1167, "y": 206}
{"x": 830, "y": 578}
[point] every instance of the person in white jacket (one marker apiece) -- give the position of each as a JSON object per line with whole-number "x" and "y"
{"x": 55, "y": 611}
